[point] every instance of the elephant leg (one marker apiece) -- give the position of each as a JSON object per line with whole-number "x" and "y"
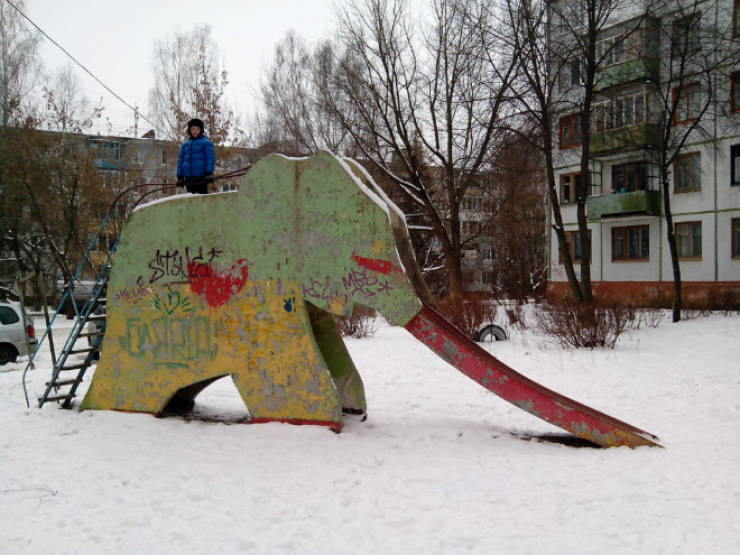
{"x": 343, "y": 371}
{"x": 286, "y": 378}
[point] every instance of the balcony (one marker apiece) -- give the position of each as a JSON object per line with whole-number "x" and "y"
{"x": 633, "y": 137}
{"x": 630, "y": 71}
{"x": 107, "y": 164}
{"x": 629, "y": 53}
{"x": 621, "y": 205}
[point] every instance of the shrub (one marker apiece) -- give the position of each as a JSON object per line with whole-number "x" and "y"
{"x": 361, "y": 323}
{"x": 585, "y": 325}
{"x": 474, "y": 311}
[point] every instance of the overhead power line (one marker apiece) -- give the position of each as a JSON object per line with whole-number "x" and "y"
{"x": 90, "y": 73}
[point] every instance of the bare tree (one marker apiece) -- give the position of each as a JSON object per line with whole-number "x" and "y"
{"x": 697, "y": 56}
{"x": 19, "y": 62}
{"x": 51, "y": 196}
{"x": 189, "y": 82}
{"x": 537, "y": 95}
{"x": 576, "y": 33}
{"x": 518, "y": 227}
{"x": 423, "y": 109}
{"x": 293, "y": 96}
{"x": 67, "y": 110}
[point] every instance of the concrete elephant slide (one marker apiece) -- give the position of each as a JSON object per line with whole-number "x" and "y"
{"x": 245, "y": 284}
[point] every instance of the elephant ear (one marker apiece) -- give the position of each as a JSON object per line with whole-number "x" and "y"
{"x": 400, "y": 234}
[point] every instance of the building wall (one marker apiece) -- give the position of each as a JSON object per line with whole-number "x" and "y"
{"x": 713, "y": 206}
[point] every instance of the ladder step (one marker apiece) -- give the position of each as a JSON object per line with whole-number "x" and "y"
{"x": 78, "y": 351}
{"x": 74, "y": 367}
{"x": 90, "y": 334}
{"x": 58, "y": 398}
{"x": 60, "y": 383}
{"x": 96, "y": 318}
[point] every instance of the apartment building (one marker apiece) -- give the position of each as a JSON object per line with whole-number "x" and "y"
{"x": 640, "y": 75}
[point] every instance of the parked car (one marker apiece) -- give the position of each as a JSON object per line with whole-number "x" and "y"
{"x": 12, "y": 334}
{"x": 82, "y": 291}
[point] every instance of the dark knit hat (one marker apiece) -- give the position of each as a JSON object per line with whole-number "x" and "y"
{"x": 197, "y": 123}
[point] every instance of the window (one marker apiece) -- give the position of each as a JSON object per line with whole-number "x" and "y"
{"x": 687, "y": 102}
{"x": 631, "y": 243}
{"x": 486, "y": 253}
{"x": 568, "y": 184}
{"x": 164, "y": 156}
{"x": 688, "y": 239}
{"x": 735, "y": 237}
{"x": 570, "y": 131}
{"x": 574, "y": 245}
{"x": 474, "y": 204}
{"x": 112, "y": 150}
{"x": 610, "y": 51}
{"x": 685, "y": 38}
{"x": 470, "y": 228}
{"x": 8, "y": 316}
{"x": 629, "y": 177}
{"x": 687, "y": 173}
{"x": 735, "y": 165}
{"x": 571, "y": 73}
{"x": 736, "y": 19}
{"x": 621, "y": 112}
{"x": 735, "y": 92}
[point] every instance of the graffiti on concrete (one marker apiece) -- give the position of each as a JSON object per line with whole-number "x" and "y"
{"x": 169, "y": 341}
{"x": 377, "y": 265}
{"x": 323, "y": 290}
{"x": 217, "y": 288}
{"x": 175, "y": 264}
{"x": 134, "y": 295}
{"x": 172, "y": 301}
{"x": 356, "y": 284}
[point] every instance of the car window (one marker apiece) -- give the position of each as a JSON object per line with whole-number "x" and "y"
{"x": 8, "y": 315}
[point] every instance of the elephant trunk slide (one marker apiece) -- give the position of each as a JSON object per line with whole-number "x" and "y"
{"x": 452, "y": 345}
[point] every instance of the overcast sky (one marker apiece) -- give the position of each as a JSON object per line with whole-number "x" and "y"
{"x": 115, "y": 40}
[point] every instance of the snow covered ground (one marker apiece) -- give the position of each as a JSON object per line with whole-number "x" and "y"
{"x": 439, "y": 466}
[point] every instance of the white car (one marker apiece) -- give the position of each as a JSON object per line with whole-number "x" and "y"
{"x": 12, "y": 334}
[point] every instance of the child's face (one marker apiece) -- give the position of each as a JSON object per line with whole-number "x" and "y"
{"x": 194, "y": 131}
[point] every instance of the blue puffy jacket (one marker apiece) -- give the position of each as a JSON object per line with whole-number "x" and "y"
{"x": 196, "y": 157}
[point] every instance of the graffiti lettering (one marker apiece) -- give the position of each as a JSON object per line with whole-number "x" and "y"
{"x": 133, "y": 296}
{"x": 175, "y": 264}
{"x": 323, "y": 291}
{"x": 168, "y": 340}
{"x": 359, "y": 282}
{"x": 356, "y": 283}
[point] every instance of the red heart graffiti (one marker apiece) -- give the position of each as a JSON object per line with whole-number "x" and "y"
{"x": 217, "y": 289}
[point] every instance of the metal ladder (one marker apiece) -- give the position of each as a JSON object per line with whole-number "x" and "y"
{"x": 60, "y": 377}
{"x": 64, "y": 387}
